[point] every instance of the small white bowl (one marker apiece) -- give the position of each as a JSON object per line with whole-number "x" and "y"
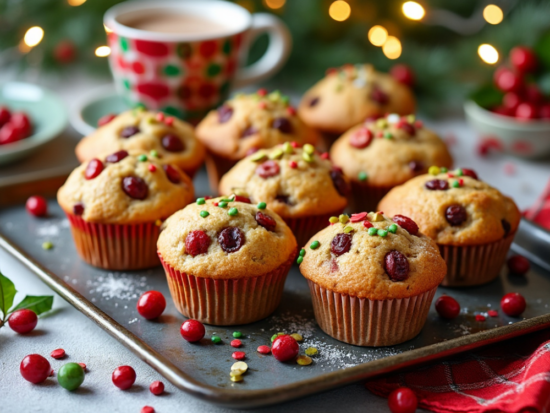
{"x": 526, "y": 139}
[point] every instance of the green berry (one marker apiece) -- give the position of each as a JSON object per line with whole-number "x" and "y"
{"x": 204, "y": 214}
{"x": 261, "y": 205}
{"x": 314, "y": 245}
{"x": 300, "y": 260}
{"x": 363, "y": 176}
{"x": 302, "y": 252}
{"x": 382, "y": 232}
{"x": 201, "y": 201}
{"x": 373, "y": 231}
{"x": 393, "y": 228}
{"x": 237, "y": 334}
{"x": 216, "y": 340}
{"x": 70, "y": 376}
{"x": 222, "y": 204}
{"x": 233, "y": 212}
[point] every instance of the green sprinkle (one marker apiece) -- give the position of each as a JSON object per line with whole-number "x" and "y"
{"x": 333, "y": 220}
{"x": 276, "y": 154}
{"x": 299, "y": 260}
{"x": 343, "y": 219}
{"x": 262, "y": 205}
{"x": 314, "y": 245}
{"x": 347, "y": 230}
{"x": 226, "y": 200}
{"x": 274, "y": 96}
{"x": 309, "y": 149}
{"x": 204, "y": 214}
{"x": 287, "y": 147}
{"x": 237, "y": 334}
{"x": 285, "y": 99}
{"x": 388, "y": 135}
{"x": 443, "y": 169}
{"x": 274, "y": 336}
{"x": 142, "y": 158}
{"x": 456, "y": 184}
{"x": 382, "y": 232}
{"x": 459, "y": 172}
{"x": 307, "y": 157}
{"x": 47, "y": 245}
{"x": 233, "y": 212}
{"x": 222, "y": 204}
{"x": 302, "y": 252}
{"x": 201, "y": 201}
{"x": 362, "y": 176}
{"x": 258, "y": 156}
{"x": 373, "y": 231}
{"x": 216, "y": 339}
{"x": 393, "y": 228}
{"x": 154, "y": 153}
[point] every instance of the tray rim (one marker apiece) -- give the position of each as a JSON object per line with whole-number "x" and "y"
{"x": 235, "y": 398}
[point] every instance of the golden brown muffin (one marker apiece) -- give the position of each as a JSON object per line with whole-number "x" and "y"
{"x": 172, "y": 139}
{"x": 349, "y": 95}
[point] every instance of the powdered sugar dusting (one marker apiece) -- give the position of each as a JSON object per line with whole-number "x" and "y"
{"x": 120, "y": 286}
{"x": 293, "y": 323}
{"x": 52, "y": 228}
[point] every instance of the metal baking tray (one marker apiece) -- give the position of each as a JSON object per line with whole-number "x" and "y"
{"x": 202, "y": 370}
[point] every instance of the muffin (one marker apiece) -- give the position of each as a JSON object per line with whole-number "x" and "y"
{"x": 347, "y": 96}
{"x": 245, "y": 124}
{"x": 226, "y": 261}
{"x": 115, "y": 204}
{"x": 171, "y": 139}
{"x": 383, "y": 153}
{"x": 301, "y": 186}
{"x": 472, "y": 223}
{"x": 372, "y": 280}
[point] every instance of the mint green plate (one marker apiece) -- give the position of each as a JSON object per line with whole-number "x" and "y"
{"x": 46, "y": 111}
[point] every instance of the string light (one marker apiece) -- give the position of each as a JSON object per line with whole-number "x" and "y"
{"x": 392, "y": 48}
{"x": 103, "y": 51}
{"x": 378, "y": 35}
{"x": 107, "y": 30}
{"x": 488, "y": 53}
{"x": 413, "y": 10}
{"x": 76, "y": 2}
{"x": 339, "y": 10}
{"x": 493, "y": 14}
{"x": 33, "y": 36}
{"x": 274, "y": 4}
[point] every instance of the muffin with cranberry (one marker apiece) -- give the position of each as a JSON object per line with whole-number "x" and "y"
{"x": 115, "y": 204}
{"x": 348, "y": 95}
{"x": 226, "y": 260}
{"x": 171, "y": 140}
{"x": 245, "y": 124}
{"x": 300, "y": 185}
{"x": 380, "y": 154}
{"x": 372, "y": 279}
{"x": 472, "y": 223}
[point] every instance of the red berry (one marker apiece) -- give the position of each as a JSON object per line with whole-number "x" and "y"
{"x": 544, "y": 111}
{"x": 236, "y": 343}
{"x": 94, "y": 168}
{"x": 265, "y": 221}
{"x": 151, "y": 305}
{"x": 124, "y": 377}
{"x": 239, "y": 355}
{"x": 526, "y": 110}
{"x": 361, "y": 138}
{"x": 533, "y": 94}
{"x": 508, "y": 80}
{"x": 129, "y": 131}
{"x": 402, "y": 400}
{"x": 197, "y": 242}
{"x": 152, "y": 168}
{"x": 339, "y": 182}
{"x": 9, "y": 134}
{"x": 283, "y": 125}
{"x": 513, "y": 304}
{"x": 447, "y": 307}
{"x": 403, "y": 74}
{"x": 493, "y": 313}
{"x": 264, "y": 349}
{"x": 116, "y": 157}
{"x": 504, "y": 111}
{"x": 37, "y": 206}
{"x": 523, "y": 59}
{"x": 35, "y": 368}
{"x": 469, "y": 172}
{"x": 22, "y": 123}
{"x": 224, "y": 113}
{"x": 172, "y": 174}
{"x": 511, "y": 100}
{"x": 268, "y": 169}
{"x": 379, "y": 96}
{"x": 406, "y": 223}
{"x": 58, "y": 353}
{"x": 64, "y": 52}
{"x": 172, "y": 143}
{"x": 23, "y": 321}
{"x": 437, "y": 185}
{"x": 135, "y": 187}
{"x": 157, "y": 388}
{"x": 407, "y": 127}
{"x": 341, "y": 244}
{"x": 396, "y": 266}
{"x": 285, "y": 348}
{"x": 518, "y": 264}
{"x": 192, "y": 331}
{"x": 456, "y": 215}
{"x": 5, "y": 115}
{"x": 147, "y": 409}
{"x": 106, "y": 119}
{"x": 231, "y": 239}
{"x": 78, "y": 208}
{"x": 480, "y": 317}
{"x": 240, "y": 198}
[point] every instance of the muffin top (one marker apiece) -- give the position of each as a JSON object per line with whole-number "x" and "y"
{"x": 122, "y": 188}
{"x": 225, "y": 238}
{"x": 389, "y": 151}
{"x": 347, "y": 96}
{"x": 454, "y": 207}
{"x": 171, "y": 139}
{"x": 294, "y": 182}
{"x": 249, "y": 122}
{"x": 370, "y": 256}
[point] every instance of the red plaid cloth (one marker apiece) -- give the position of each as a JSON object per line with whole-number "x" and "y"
{"x": 510, "y": 377}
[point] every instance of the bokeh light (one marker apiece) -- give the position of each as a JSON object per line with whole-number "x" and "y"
{"x": 103, "y": 51}
{"x": 392, "y": 48}
{"x": 493, "y": 14}
{"x": 107, "y": 30}
{"x": 33, "y": 36}
{"x": 413, "y": 10}
{"x": 274, "y": 4}
{"x": 339, "y": 10}
{"x": 488, "y": 53}
{"x": 378, "y": 35}
{"x": 76, "y": 2}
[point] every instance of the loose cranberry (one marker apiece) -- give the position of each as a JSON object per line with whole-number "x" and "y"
{"x": 35, "y": 368}
{"x": 492, "y": 313}
{"x": 263, "y": 349}
{"x": 403, "y": 74}
{"x": 239, "y": 198}
{"x": 129, "y": 131}
{"x": 416, "y": 166}
{"x": 225, "y": 113}
{"x": 105, "y": 119}
{"x": 23, "y": 321}
{"x": 9, "y": 134}
{"x": 506, "y": 227}
{"x": 78, "y": 208}
{"x": 402, "y": 400}
{"x": 340, "y": 183}
{"x": 406, "y": 223}
{"x": 396, "y": 266}
{"x": 192, "y": 331}
{"x": 314, "y": 102}
{"x": 526, "y": 110}
{"x": 37, "y": 206}
{"x": 135, "y": 187}
{"x": 513, "y": 304}
{"x": 231, "y": 239}
{"x": 251, "y": 130}
{"x": 197, "y": 242}
{"x": 239, "y": 355}
{"x": 285, "y": 348}
{"x": 447, "y": 307}
{"x": 379, "y": 96}
{"x": 236, "y": 343}
{"x": 124, "y": 377}
{"x": 544, "y": 111}
{"x": 22, "y": 123}
{"x": 283, "y": 125}
{"x": 172, "y": 143}
{"x": 469, "y": 172}
{"x": 508, "y": 80}
{"x": 523, "y": 59}
{"x": 456, "y": 215}
{"x": 172, "y": 174}
{"x": 511, "y": 100}
{"x": 361, "y": 139}
{"x": 58, "y": 353}
{"x": 407, "y": 127}
{"x": 5, "y": 115}
{"x": 94, "y": 168}
{"x": 518, "y": 265}
{"x": 437, "y": 185}
{"x": 268, "y": 169}
{"x": 157, "y": 388}
{"x": 265, "y": 221}
{"x": 151, "y": 305}
{"x": 116, "y": 157}
{"x": 147, "y": 409}
{"x": 341, "y": 244}
{"x": 480, "y": 318}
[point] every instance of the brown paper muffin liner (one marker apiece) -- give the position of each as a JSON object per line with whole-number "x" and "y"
{"x": 366, "y": 197}
{"x": 227, "y": 302}
{"x": 474, "y": 265}
{"x": 306, "y": 227}
{"x": 116, "y": 247}
{"x": 373, "y": 323}
{"x": 217, "y": 166}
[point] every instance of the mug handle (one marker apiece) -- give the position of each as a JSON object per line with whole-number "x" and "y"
{"x": 280, "y": 45}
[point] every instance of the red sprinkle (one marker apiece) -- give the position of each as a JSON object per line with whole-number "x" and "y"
{"x": 358, "y": 217}
{"x": 480, "y": 317}
{"x": 264, "y": 349}
{"x": 216, "y": 203}
{"x": 262, "y": 92}
{"x": 57, "y": 354}
{"x": 380, "y": 134}
{"x": 331, "y": 71}
{"x": 262, "y": 105}
{"x": 157, "y": 388}
{"x": 83, "y": 365}
{"x": 325, "y": 155}
{"x": 152, "y": 167}
{"x": 493, "y": 313}
{"x": 418, "y": 124}
{"x": 236, "y": 343}
{"x": 147, "y": 409}
{"x": 160, "y": 116}
{"x": 367, "y": 224}
{"x": 450, "y": 175}
{"x": 295, "y": 144}
{"x": 461, "y": 182}
{"x": 293, "y": 164}
{"x": 238, "y": 355}
{"x": 169, "y": 121}
{"x": 291, "y": 111}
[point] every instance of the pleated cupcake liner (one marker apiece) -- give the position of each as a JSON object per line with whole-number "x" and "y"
{"x": 366, "y": 197}
{"x": 216, "y": 167}
{"x": 225, "y": 302}
{"x": 116, "y": 247}
{"x": 373, "y": 323}
{"x": 474, "y": 265}
{"x": 306, "y": 227}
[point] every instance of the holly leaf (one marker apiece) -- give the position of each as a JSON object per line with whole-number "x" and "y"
{"x": 542, "y": 50}
{"x": 7, "y": 294}
{"x": 487, "y": 96}
{"x": 37, "y": 303}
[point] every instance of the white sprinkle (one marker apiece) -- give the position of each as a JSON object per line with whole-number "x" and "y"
{"x": 393, "y": 118}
